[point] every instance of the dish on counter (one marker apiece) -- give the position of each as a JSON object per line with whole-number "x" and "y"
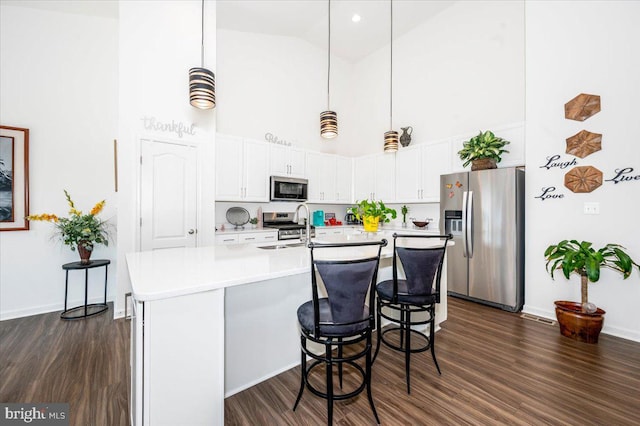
{"x": 420, "y": 224}
{"x": 238, "y": 216}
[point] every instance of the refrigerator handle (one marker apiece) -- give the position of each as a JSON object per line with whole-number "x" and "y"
{"x": 464, "y": 224}
{"x": 470, "y": 224}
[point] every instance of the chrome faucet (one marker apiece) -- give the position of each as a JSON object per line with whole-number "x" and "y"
{"x": 307, "y": 235}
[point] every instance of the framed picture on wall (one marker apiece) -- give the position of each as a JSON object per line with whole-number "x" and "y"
{"x": 14, "y": 178}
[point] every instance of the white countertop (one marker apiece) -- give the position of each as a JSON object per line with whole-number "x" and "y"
{"x": 162, "y": 274}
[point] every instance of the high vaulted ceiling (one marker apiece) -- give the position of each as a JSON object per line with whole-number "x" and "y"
{"x": 308, "y": 19}
{"x": 305, "y": 19}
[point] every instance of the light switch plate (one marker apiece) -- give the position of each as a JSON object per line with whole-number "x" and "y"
{"x": 592, "y": 208}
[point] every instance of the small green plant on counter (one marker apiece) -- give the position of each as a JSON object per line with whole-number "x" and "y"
{"x": 483, "y": 145}
{"x": 253, "y": 221}
{"x": 366, "y": 208}
{"x": 404, "y": 210}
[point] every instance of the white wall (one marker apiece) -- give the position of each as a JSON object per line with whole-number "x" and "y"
{"x": 458, "y": 73}
{"x": 278, "y": 85}
{"x": 572, "y": 48}
{"x": 160, "y": 42}
{"x": 59, "y": 79}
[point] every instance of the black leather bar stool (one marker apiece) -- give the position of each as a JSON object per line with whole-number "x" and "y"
{"x": 345, "y": 318}
{"x": 411, "y": 302}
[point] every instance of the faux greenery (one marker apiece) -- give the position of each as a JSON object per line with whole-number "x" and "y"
{"x": 373, "y": 209}
{"x": 582, "y": 258}
{"x": 483, "y": 145}
{"x": 78, "y": 228}
{"x": 404, "y": 210}
{"x": 253, "y": 221}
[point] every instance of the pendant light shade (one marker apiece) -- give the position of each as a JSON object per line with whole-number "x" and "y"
{"x": 391, "y": 137}
{"x": 202, "y": 88}
{"x": 328, "y": 124}
{"x": 390, "y": 141}
{"x": 202, "y": 82}
{"x": 328, "y": 119}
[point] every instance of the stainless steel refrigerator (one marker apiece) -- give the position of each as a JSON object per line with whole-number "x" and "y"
{"x": 484, "y": 211}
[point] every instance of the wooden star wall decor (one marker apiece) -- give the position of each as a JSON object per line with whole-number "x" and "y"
{"x": 584, "y": 143}
{"x": 583, "y": 179}
{"x": 582, "y": 107}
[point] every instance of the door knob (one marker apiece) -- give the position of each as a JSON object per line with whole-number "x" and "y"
{"x": 191, "y": 231}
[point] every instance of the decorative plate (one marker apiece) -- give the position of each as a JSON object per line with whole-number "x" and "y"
{"x": 238, "y": 216}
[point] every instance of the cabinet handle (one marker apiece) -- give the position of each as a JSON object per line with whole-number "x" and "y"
{"x": 247, "y": 239}
{"x": 418, "y": 193}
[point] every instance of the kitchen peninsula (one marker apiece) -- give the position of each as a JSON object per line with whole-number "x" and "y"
{"x": 212, "y": 321}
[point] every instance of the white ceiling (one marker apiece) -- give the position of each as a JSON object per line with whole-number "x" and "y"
{"x": 306, "y": 19}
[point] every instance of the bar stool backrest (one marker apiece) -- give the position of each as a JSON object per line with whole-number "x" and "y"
{"x": 350, "y": 282}
{"x": 422, "y": 265}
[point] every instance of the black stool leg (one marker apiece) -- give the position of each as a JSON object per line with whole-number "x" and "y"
{"x": 368, "y": 379}
{"x": 432, "y": 335}
{"x": 378, "y": 329}
{"x": 340, "y": 363}
{"x": 303, "y": 371}
{"x": 402, "y": 322}
{"x": 329, "y": 366}
{"x": 407, "y": 349}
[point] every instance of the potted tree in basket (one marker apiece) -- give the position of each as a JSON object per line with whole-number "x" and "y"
{"x": 483, "y": 151}
{"x": 583, "y": 321}
{"x": 372, "y": 213}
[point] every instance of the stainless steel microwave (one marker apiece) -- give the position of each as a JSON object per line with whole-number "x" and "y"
{"x": 288, "y": 189}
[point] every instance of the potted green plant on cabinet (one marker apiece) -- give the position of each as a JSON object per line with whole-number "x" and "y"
{"x": 583, "y": 321}
{"x": 483, "y": 151}
{"x": 372, "y": 213}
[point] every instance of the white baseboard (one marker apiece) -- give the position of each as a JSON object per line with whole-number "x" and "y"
{"x": 231, "y": 392}
{"x": 624, "y": 333}
{"x": 44, "y": 309}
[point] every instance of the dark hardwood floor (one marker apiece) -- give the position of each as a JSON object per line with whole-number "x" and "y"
{"x": 497, "y": 368}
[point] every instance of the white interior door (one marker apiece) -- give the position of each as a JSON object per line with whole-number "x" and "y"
{"x": 168, "y": 186}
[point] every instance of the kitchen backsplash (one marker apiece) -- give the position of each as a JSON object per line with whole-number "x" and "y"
{"x": 418, "y": 211}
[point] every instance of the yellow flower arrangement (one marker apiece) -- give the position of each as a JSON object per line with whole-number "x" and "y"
{"x": 78, "y": 229}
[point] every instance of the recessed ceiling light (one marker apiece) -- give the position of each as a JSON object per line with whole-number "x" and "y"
{"x": 356, "y": 18}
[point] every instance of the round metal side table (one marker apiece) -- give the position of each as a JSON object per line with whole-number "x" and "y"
{"x": 86, "y": 310}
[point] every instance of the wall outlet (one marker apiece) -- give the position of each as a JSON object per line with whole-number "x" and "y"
{"x": 591, "y": 208}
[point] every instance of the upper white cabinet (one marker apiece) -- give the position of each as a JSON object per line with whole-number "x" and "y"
{"x": 242, "y": 172}
{"x": 344, "y": 179}
{"x": 418, "y": 171}
{"x": 329, "y": 178}
{"x": 287, "y": 161}
{"x": 374, "y": 177}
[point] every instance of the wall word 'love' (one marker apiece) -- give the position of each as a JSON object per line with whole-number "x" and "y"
{"x": 547, "y": 193}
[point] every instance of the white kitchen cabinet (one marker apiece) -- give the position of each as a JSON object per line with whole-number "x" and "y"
{"x": 418, "y": 171}
{"x": 242, "y": 173}
{"x": 344, "y": 179}
{"x": 375, "y": 178}
{"x": 222, "y": 239}
{"x": 287, "y": 161}
{"x": 327, "y": 231}
{"x": 329, "y": 178}
{"x": 321, "y": 176}
{"x": 258, "y": 237}
{"x": 170, "y": 341}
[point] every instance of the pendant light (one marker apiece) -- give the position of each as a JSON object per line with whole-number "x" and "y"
{"x": 202, "y": 82}
{"x": 391, "y": 137}
{"x": 328, "y": 119}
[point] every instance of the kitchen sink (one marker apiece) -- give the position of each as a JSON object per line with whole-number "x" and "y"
{"x": 282, "y": 246}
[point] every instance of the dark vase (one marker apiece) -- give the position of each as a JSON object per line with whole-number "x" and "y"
{"x": 85, "y": 249}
